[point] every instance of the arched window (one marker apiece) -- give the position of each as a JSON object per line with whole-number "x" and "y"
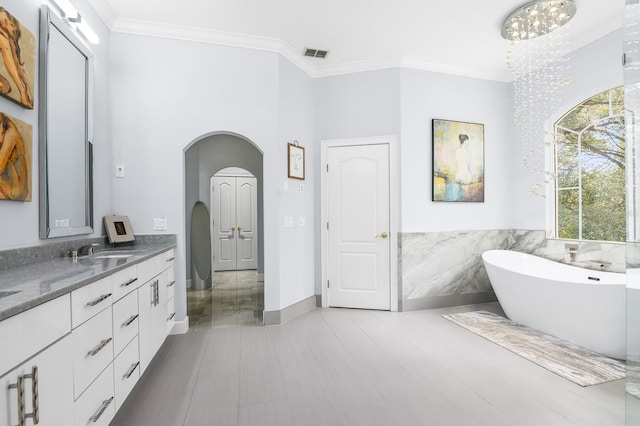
{"x": 590, "y": 169}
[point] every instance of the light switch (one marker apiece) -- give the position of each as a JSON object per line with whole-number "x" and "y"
{"x": 302, "y": 221}
{"x": 288, "y": 221}
{"x": 285, "y": 186}
{"x": 159, "y": 224}
{"x": 120, "y": 171}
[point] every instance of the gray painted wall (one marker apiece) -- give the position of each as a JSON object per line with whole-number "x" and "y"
{"x": 168, "y": 94}
{"x": 429, "y": 95}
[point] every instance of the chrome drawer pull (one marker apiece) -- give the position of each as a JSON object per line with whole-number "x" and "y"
{"x": 99, "y": 299}
{"x": 171, "y": 316}
{"x": 19, "y": 386}
{"x": 101, "y": 411}
{"x": 131, "y": 370}
{"x": 156, "y": 292}
{"x": 35, "y": 415}
{"x": 100, "y": 347}
{"x": 128, "y": 283}
{"x": 130, "y": 321}
{"x": 171, "y": 283}
{"x": 171, "y": 259}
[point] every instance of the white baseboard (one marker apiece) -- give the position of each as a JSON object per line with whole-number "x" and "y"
{"x": 289, "y": 313}
{"x": 180, "y": 327}
{"x": 188, "y": 283}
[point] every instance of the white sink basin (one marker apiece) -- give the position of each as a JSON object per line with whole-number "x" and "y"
{"x": 116, "y": 254}
{"x": 112, "y": 256}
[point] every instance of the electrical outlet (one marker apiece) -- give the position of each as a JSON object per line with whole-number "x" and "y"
{"x": 285, "y": 186}
{"x": 302, "y": 221}
{"x": 302, "y": 188}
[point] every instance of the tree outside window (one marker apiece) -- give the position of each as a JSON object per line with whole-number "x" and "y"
{"x": 590, "y": 169}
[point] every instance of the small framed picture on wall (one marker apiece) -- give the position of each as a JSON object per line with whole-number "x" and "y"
{"x": 295, "y": 161}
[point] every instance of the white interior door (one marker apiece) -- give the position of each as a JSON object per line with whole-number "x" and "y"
{"x": 247, "y": 223}
{"x": 223, "y": 204}
{"x": 358, "y": 258}
{"x": 234, "y": 203}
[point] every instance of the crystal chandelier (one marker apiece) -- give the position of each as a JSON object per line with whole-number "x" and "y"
{"x": 538, "y": 18}
{"x": 537, "y": 58}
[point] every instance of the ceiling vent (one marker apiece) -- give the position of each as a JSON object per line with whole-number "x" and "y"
{"x": 315, "y": 53}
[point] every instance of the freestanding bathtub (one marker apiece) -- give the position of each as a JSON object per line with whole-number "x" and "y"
{"x": 579, "y": 305}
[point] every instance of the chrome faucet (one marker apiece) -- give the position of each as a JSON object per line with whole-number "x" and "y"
{"x": 87, "y": 249}
{"x": 570, "y": 252}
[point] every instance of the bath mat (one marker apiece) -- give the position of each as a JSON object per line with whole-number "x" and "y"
{"x": 579, "y": 365}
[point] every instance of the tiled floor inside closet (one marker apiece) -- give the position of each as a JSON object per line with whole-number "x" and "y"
{"x": 356, "y": 367}
{"x": 235, "y": 298}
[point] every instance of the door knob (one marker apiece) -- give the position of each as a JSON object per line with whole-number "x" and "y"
{"x": 239, "y": 229}
{"x": 383, "y": 235}
{"x": 233, "y": 228}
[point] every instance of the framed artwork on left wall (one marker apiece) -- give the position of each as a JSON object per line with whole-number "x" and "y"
{"x": 16, "y": 138}
{"x": 18, "y": 64}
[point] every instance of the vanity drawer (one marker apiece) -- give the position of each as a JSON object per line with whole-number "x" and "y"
{"x": 124, "y": 282}
{"x": 126, "y": 370}
{"x": 150, "y": 268}
{"x": 90, "y": 300}
{"x": 23, "y": 335}
{"x": 92, "y": 350}
{"x": 96, "y": 406}
{"x": 171, "y": 315}
{"x": 171, "y": 282}
{"x": 125, "y": 321}
{"x": 169, "y": 257}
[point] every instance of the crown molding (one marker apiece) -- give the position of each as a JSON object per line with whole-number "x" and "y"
{"x": 484, "y": 74}
{"x": 202, "y": 35}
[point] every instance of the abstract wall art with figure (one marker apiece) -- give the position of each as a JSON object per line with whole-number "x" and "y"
{"x": 15, "y": 159}
{"x": 17, "y": 68}
{"x": 458, "y": 161}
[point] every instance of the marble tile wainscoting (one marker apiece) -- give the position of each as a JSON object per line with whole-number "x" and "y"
{"x": 440, "y": 269}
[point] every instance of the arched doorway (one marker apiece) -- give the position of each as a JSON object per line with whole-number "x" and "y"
{"x": 233, "y": 297}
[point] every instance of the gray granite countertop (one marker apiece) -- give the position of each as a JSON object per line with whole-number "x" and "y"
{"x": 27, "y": 286}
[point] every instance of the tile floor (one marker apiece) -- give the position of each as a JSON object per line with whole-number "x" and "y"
{"x": 355, "y": 367}
{"x": 235, "y": 298}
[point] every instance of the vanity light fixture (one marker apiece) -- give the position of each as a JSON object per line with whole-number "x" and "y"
{"x": 71, "y": 16}
{"x": 537, "y": 18}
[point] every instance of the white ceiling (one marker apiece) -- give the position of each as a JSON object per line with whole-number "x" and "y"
{"x": 454, "y": 36}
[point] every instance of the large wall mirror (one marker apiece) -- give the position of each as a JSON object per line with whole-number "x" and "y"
{"x": 65, "y": 130}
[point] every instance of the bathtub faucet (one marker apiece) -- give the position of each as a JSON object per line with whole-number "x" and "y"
{"x": 570, "y": 252}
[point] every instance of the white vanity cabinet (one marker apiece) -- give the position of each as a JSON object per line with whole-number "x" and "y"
{"x": 75, "y": 359}
{"x": 153, "y": 296}
{"x": 40, "y": 391}
{"x": 92, "y": 350}
{"x": 36, "y": 355}
{"x": 96, "y": 406}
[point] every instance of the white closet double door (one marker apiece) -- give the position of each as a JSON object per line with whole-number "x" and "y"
{"x": 234, "y": 203}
